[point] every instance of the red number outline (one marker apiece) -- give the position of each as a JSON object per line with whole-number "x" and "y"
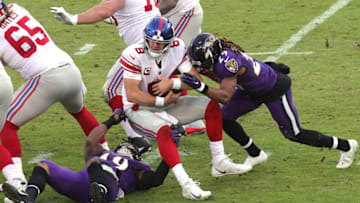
{"x": 25, "y": 39}
{"x": 148, "y": 6}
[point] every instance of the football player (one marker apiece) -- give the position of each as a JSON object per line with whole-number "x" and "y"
{"x": 187, "y": 17}
{"x": 50, "y": 76}
{"x": 7, "y": 166}
{"x": 245, "y": 84}
{"x": 152, "y": 108}
{"x": 129, "y": 17}
{"x": 108, "y": 175}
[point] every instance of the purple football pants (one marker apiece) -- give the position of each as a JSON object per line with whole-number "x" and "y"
{"x": 282, "y": 110}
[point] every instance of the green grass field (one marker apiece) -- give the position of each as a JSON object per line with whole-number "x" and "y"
{"x": 325, "y": 90}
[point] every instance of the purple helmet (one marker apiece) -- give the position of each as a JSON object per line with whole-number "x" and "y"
{"x": 204, "y": 51}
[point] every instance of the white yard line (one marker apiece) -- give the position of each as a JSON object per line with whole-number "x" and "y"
{"x": 306, "y": 29}
{"x": 286, "y": 53}
{"x": 41, "y": 156}
{"x": 85, "y": 49}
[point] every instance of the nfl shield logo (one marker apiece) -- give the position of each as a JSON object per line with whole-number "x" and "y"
{"x": 232, "y": 66}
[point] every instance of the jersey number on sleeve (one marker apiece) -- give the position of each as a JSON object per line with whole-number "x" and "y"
{"x": 120, "y": 163}
{"x": 25, "y": 46}
{"x": 175, "y": 43}
{"x": 148, "y": 6}
{"x": 256, "y": 65}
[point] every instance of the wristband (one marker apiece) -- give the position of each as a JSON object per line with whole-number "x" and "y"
{"x": 159, "y": 101}
{"x": 110, "y": 122}
{"x": 75, "y": 19}
{"x": 176, "y": 83}
{"x": 203, "y": 88}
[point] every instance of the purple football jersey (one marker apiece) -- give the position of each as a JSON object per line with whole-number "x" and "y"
{"x": 126, "y": 167}
{"x": 258, "y": 78}
{"x": 76, "y": 185}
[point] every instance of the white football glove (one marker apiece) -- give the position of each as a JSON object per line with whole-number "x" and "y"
{"x": 109, "y": 20}
{"x": 63, "y": 16}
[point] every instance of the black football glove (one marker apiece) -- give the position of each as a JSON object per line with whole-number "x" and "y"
{"x": 116, "y": 118}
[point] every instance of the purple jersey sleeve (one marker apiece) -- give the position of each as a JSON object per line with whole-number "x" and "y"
{"x": 126, "y": 167}
{"x": 258, "y": 78}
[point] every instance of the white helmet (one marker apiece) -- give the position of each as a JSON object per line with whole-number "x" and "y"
{"x": 3, "y": 11}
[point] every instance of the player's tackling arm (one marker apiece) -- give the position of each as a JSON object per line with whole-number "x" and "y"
{"x": 166, "y": 84}
{"x": 221, "y": 95}
{"x": 101, "y": 11}
{"x": 225, "y": 92}
{"x": 92, "y": 145}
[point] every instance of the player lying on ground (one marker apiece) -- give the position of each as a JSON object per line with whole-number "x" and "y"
{"x": 108, "y": 175}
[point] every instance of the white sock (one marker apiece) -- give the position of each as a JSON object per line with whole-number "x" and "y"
{"x": 105, "y": 146}
{"x": 17, "y": 161}
{"x": 180, "y": 174}
{"x": 217, "y": 151}
{"x": 12, "y": 171}
{"x": 130, "y": 132}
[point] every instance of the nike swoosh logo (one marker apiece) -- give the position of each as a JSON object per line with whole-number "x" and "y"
{"x": 196, "y": 196}
{"x": 133, "y": 58}
{"x": 220, "y": 171}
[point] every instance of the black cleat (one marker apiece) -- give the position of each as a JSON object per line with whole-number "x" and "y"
{"x": 142, "y": 144}
{"x": 97, "y": 193}
{"x": 16, "y": 195}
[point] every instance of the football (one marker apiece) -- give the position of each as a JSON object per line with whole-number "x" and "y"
{"x": 153, "y": 93}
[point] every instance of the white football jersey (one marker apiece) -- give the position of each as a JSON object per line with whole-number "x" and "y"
{"x": 132, "y": 18}
{"x": 182, "y": 6}
{"x": 26, "y": 47}
{"x": 139, "y": 65}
